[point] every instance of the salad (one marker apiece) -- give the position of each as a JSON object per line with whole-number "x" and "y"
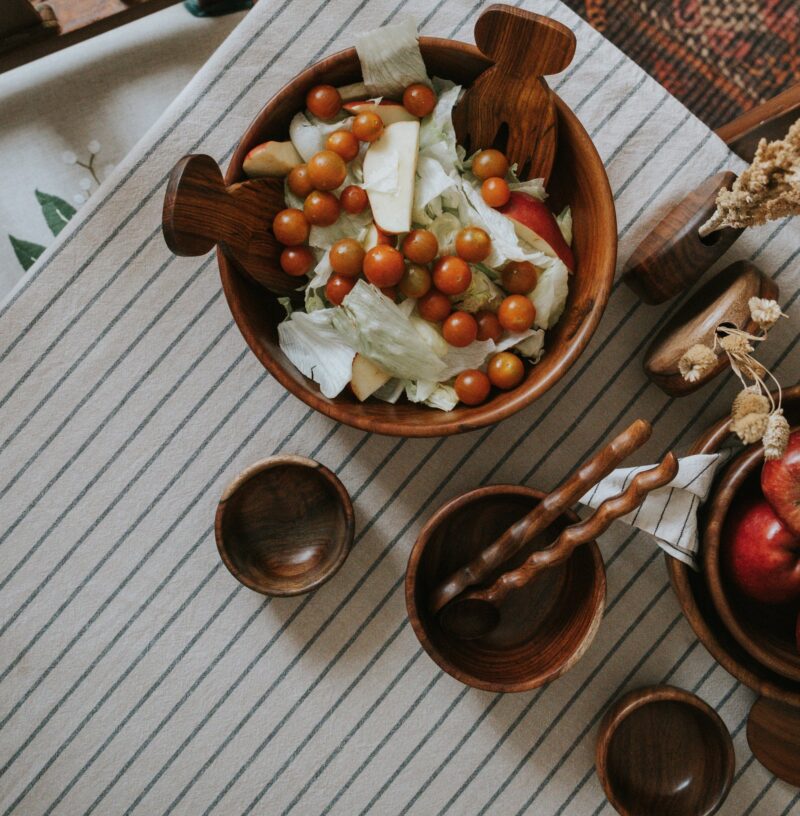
{"x": 426, "y": 274}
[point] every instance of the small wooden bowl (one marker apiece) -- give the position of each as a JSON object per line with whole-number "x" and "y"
{"x": 767, "y": 633}
{"x": 284, "y": 526}
{"x": 663, "y": 751}
{"x": 544, "y": 628}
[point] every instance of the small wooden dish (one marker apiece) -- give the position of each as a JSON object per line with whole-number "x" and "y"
{"x": 663, "y": 751}
{"x": 543, "y": 629}
{"x": 284, "y": 526}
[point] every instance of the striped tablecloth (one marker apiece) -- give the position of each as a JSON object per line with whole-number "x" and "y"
{"x": 137, "y": 676}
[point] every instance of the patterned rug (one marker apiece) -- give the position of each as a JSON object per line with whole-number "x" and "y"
{"x": 719, "y": 57}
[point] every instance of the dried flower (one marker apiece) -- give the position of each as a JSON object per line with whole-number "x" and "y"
{"x": 750, "y": 428}
{"x": 765, "y": 312}
{"x": 736, "y": 345}
{"x": 749, "y": 401}
{"x": 696, "y": 361}
{"x": 776, "y": 435}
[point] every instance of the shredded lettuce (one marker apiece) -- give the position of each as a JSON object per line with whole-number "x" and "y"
{"x": 533, "y": 187}
{"x": 445, "y": 227}
{"x": 482, "y": 293}
{"x": 308, "y": 134}
{"x": 550, "y": 295}
{"x": 443, "y": 397}
{"x": 431, "y": 181}
{"x": 532, "y": 347}
{"x": 564, "y": 221}
{"x": 347, "y": 226}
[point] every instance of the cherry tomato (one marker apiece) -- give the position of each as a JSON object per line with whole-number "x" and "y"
{"x": 473, "y": 244}
{"x": 347, "y": 257}
{"x": 353, "y": 199}
{"x": 451, "y": 275}
{"x": 416, "y": 281}
{"x": 299, "y": 181}
{"x": 420, "y": 246}
{"x": 324, "y": 101}
{"x": 489, "y": 163}
{"x": 321, "y": 209}
{"x": 472, "y": 386}
{"x": 390, "y": 292}
{"x": 367, "y": 126}
{"x": 326, "y": 170}
{"x": 519, "y": 277}
{"x": 384, "y": 266}
{"x": 516, "y": 313}
{"x": 506, "y": 370}
{"x": 495, "y": 191}
{"x": 489, "y": 327}
{"x": 297, "y": 261}
{"x": 338, "y": 287}
{"x": 344, "y": 143}
{"x": 419, "y": 100}
{"x": 290, "y": 227}
{"x": 460, "y": 329}
{"x": 434, "y": 306}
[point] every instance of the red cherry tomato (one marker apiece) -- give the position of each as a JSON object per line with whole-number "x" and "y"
{"x": 506, "y": 370}
{"x": 416, "y": 281}
{"x": 290, "y": 227}
{"x": 324, "y": 101}
{"x": 452, "y": 275}
{"x": 344, "y": 143}
{"x": 353, "y": 199}
{"x": 489, "y": 327}
{"x": 384, "y": 266}
{"x": 488, "y": 163}
{"x": 473, "y": 244}
{"x": 338, "y": 287}
{"x": 297, "y": 260}
{"x": 321, "y": 209}
{"x": 347, "y": 257}
{"x": 434, "y": 306}
{"x": 495, "y": 191}
{"x": 516, "y": 313}
{"x": 419, "y": 100}
{"x": 460, "y": 329}
{"x": 299, "y": 182}
{"x": 519, "y": 277}
{"x": 367, "y": 126}
{"x": 326, "y": 170}
{"x": 420, "y": 246}
{"x": 472, "y": 386}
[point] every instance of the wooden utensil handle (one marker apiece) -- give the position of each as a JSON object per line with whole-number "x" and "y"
{"x": 583, "y": 532}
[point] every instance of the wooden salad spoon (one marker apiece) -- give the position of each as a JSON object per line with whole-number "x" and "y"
{"x": 510, "y": 106}
{"x": 474, "y": 614}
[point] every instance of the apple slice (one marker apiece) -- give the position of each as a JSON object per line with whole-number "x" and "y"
{"x": 375, "y": 236}
{"x": 367, "y": 377}
{"x": 273, "y": 159}
{"x": 390, "y": 112}
{"x": 397, "y": 146}
{"x": 537, "y": 226}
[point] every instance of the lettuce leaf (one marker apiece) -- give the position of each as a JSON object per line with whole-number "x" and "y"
{"x": 550, "y": 295}
{"x": 564, "y": 221}
{"x": 532, "y": 347}
{"x": 308, "y": 134}
{"x": 482, "y": 293}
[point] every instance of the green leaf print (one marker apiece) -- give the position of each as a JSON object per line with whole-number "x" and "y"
{"x": 25, "y": 251}
{"x": 55, "y": 210}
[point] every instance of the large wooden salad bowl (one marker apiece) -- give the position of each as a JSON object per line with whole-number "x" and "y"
{"x": 578, "y": 178}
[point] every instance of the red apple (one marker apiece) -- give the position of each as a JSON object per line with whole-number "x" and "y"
{"x": 761, "y": 554}
{"x": 536, "y": 225}
{"x": 780, "y": 481}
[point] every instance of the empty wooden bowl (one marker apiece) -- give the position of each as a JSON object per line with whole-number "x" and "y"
{"x": 662, "y": 751}
{"x": 543, "y": 628}
{"x": 284, "y": 526}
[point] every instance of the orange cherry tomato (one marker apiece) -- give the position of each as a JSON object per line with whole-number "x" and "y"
{"x": 472, "y": 386}
{"x": 338, "y": 287}
{"x": 344, "y": 143}
{"x": 297, "y": 260}
{"x": 488, "y": 163}
{"x": 434, "y": 306}
{"x": 473, "y": 244}
{"x": 519, "y": 277}
{"x": 419, "y": 100}
{"x": 451, "y": 275}
{"x": 321, "y": 209}
{"x": 324, "y": 101}
{"x": 384, "y": 266}
{"x": 367, "y": 126}
{"x": 516, "y": 313}
{"x": 416, "y": 281}
{"x": 299, "y": 182}
{"x": 353, "y": 199}
{"x": 506, "y": 370}
{"x": 290, "y": 227}
{"x": 460, "y": 329}
{"x": 420, "y": 246}
{"x": 347, "y": 257}
{"x": 489, "y": 327}
{"x": 390, "y": 292}
{"x": 326, "y": 170}
{"x": 495, "y": 191}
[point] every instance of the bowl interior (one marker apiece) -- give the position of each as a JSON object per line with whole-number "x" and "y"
{"x": 284, "y": 528}
{"x": 578, "y": 179}
{"x": 543, "y": 629}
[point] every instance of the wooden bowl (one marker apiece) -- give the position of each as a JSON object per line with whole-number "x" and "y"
{"x": 544, "y": 629}
{"x": 284, "y": 526}
{"x": 578, "y": 178}
{"x": 663, "y": 751}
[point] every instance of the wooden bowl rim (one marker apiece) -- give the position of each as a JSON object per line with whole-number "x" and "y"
{"x": 478, "y": 416}
{"x": 623, "y": 707}
{"x": 316, "y": 470}
{"x": 453, "y": 669}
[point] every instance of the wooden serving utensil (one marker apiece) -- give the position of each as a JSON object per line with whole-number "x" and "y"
{"x": 510, "y": 106}
{"x": 201, "y": 212}
{"x": 545, "y": 513}
{"x": 773, "y": 734}
{"x": 474, "y": 614}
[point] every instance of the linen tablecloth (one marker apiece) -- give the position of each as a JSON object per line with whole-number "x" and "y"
{"x": 138, "y": 676}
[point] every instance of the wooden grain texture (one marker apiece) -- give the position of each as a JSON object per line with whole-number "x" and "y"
{"x": 510, "y": 106}
{"x": 672, "y": 257}
{"x": 662, "y": 751}
{"x": 543, "y": 630}
{"x": 477, "y": 570}
{"x": 284, "y": 526}
{"x": 773, "y": 734}
{"x": 723, "y": 299}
